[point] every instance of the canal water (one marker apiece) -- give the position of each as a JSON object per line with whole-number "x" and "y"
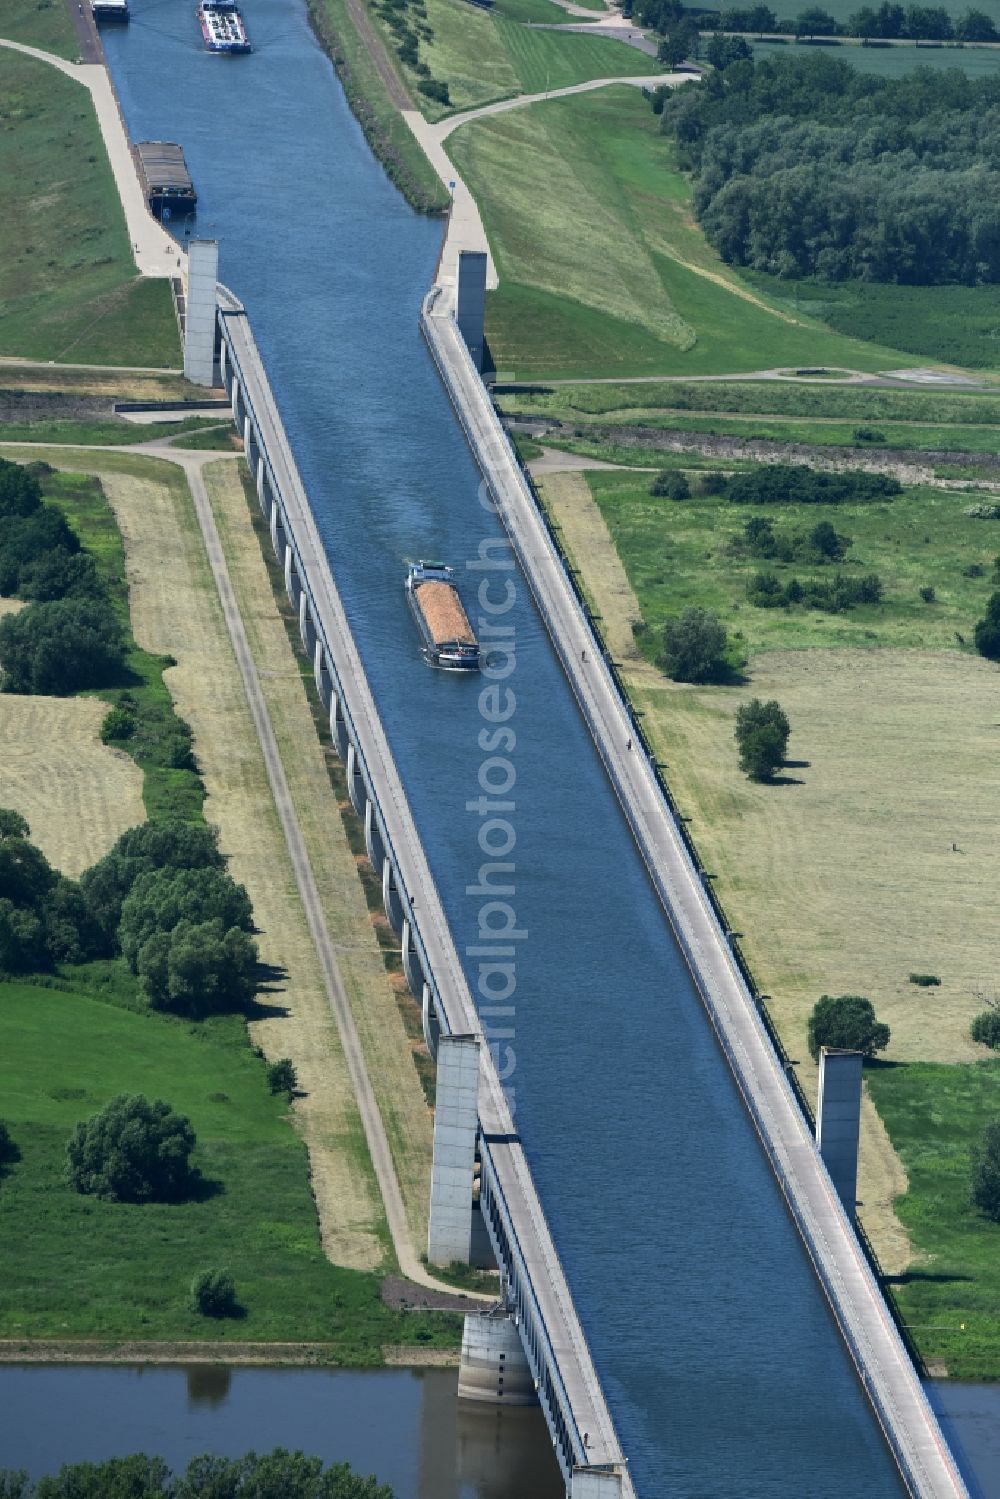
{"x": 722, "y": 1366}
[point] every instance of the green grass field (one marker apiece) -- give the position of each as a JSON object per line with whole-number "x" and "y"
{"x": 75, "y": 1267}
{"x": 198, "y": 432}
{"x": 895, "y": 62}
{"x": 950, "y": 1295}
{"x": 826, "y": 433}
{"x": 675, "y": 555}
{"x": 603, "y": 272}
{"x": 549, "y": 59}
{"x": 40, "y": 23}
{"x": 68, "y": 287}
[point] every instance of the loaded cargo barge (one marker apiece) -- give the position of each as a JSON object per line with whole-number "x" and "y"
{"x": 222, "y": 26}
{"x": 444, "y": 626}
{"x": 165, "y": 178}
{"x": 109, "y": 10}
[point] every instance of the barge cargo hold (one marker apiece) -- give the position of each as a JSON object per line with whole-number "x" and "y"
{"x": 222, "y": 26}
{"x": 109, "y": 10}
{"x": 444, "y": 626}
{"x": 165, "y": 178}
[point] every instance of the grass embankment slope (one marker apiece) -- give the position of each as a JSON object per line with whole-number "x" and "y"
{"x": 603, "y": 271}
{"x": 68, "y": 285}
{"x": 843, "y": 877}
{"x": 123, "y": 1273}
{"x": 40, "y": 23}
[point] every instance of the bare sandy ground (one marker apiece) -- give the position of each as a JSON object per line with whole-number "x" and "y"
{"x": 77, "y": 794}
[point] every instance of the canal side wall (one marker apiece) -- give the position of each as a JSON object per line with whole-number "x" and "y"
{"x": 880, "y": 1357}
{"x": 584, "y": 1438}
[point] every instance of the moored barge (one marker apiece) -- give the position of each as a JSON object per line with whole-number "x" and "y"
{"x": 165, "y": 178}
{"x": 449, "y": 641}
{"x": 109, "y": 10}
{"x": 222, "y": 26}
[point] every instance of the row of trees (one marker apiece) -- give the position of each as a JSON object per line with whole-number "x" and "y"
{"x": 806, "y": 167}
{"x": 274, "y": 1475}
{"x": 69, "y": 636}
{"x": 887, "y": 22}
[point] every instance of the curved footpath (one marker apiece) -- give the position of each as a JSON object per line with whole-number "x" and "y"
{"x": 883, "y": 1364}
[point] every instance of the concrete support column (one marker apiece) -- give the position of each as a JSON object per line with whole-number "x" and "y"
{"x": 248, "y": 442}
{"x": 411, "y": 962}
{"x": 338, "y": 728}
{"x": 390, "y": 896}
{"x": 236, "y": 398}
{"x": 429, "y": 1019}
{"x": 320, "y": 672}
{"x": 291, "y": 578}
{"x": 470, "y": 308}
{"x": 200, "y": 312}
{"x": 223, "y": 361}
{"x": 493, "y": 1365}
{"x": 456, "y": 1121}
{"x": 373, "y": 839}
{"x": 261, "y": 483}
{"x": 305, "y": 623}
{"x": 275, "y": 526}
{"x": 355, "y": 781}
{"x": 838, "y": 1120}
{"x": 595, "y": 1483}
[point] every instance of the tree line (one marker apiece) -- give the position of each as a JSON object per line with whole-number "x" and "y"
{"x": 805, "y": 167}
{"x": 887, "y": 22}
{"x": 272, "y": 1475}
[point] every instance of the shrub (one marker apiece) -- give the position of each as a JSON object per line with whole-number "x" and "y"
{"x": 132, "y": 1151}
{"x": 20, "y": 491}
{"x": 671, "y": 485}
{"x": 985, "y": 1185}
{"x": 983, "y": 511}
{"x": 712, "y": 484}
{"x": 868, "y": 434}
{"x": 118, "y": 724}
{"x": 695, "y": 647}
{"x": 61, "y": 647}
{"x": 762, "y": 731}
{"x": 282, "y": 1077}
{"x": 985, "y": 1029}
{"x": 198, "y": 969}
{"x": 8, "y": 1150}
{"x": 848, "y": 1023}
{"x": 433, "y": 88}
{"x": 213, "y": 1293}
{"x": 927, "y": 594}
{"x": 795, "y": 484}
{"x": 925, "y": 980}
{"x": 987, "y": 631}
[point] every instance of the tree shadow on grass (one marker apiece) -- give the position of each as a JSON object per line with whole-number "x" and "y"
{"x": 10, "y": 1154}
{"x": 785, "y": 780}
{"x": 796, "y": 764}
{"x": 200, "y": 1188}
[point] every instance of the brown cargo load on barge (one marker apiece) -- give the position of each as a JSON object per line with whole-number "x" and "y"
{"x": 442, "y": 609}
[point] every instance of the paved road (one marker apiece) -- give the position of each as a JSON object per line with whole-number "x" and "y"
{"x": 465, "y": 230}
{"x": 886, "y": 1369}
{"x": 155, "y": 253}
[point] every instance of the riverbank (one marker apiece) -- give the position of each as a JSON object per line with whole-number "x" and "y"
{"x": 236, "y": 1354}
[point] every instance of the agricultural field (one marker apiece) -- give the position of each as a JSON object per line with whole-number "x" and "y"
{"x": 890, "y": 61}
{"x": 603, "y": 271}
{"x": 68, "y": 286}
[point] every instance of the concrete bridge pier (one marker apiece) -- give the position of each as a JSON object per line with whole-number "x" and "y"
{"x": 306, "y": 628}
{"x": 278, "y": 543}
{"x": 293, "y": 585}
{"x": 262, "y": 492}
{"x": 320, "y": 672}
{"x": 411, "y": 961}
{"x": 249, "y": 442}
{"x": 456, "y": 1121}
{"x": 493, "y": 1364}
{"x": 374, "y": 843}
{"x": 200, "y": 317}
{"x": 595, "y": 1483}
{"x": 431, "y": 1023}
{"x": 338, "y": 727}
{"x": 390, "y": 896}
{"x": 355, "y": 781}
